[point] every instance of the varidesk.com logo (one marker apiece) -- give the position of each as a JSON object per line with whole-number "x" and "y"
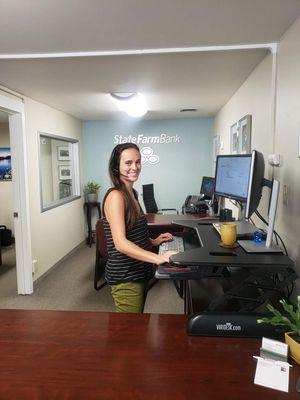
{"x": 228, "y": 327}
{"x": 148, "y": 156}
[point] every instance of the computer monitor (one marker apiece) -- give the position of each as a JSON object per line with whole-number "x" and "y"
{"x": 208, "y": 187}
{"x": 240, "y": 177}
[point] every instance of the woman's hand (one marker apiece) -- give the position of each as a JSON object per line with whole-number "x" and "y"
{"x": 165, "y": 258}
{"x": 163, "y": 237}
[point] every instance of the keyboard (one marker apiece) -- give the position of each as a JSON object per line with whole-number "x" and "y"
{"x": 175, "y": 245}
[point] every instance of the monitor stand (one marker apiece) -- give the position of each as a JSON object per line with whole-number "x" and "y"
{"x": 265, "y": 247}
{"x": 244, "y": 228}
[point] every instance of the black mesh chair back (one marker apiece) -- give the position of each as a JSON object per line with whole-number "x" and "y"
{"x": 150, "y": 203}
{"x": 149, "y": 200}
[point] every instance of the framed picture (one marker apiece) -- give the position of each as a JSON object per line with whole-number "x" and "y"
{"x": 216, "y": 147}
{"x": 5, "y": 164}
{"x": 245, "y": 134}
{"x": 234, "y": 139}
{"x": 64, "y": 172}
{"x": 65, "y": 188}
{"x": 63, "y": 153}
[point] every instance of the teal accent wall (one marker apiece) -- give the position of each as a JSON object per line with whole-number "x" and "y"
{"x": 181, "y": 165}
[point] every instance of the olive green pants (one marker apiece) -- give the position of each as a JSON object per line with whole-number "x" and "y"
{"x": 129, "y": 297}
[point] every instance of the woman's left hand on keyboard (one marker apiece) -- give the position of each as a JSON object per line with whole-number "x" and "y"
{"x": 163, "y": 237}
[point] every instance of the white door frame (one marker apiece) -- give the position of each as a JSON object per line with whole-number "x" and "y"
{"x": 15, "y": 109}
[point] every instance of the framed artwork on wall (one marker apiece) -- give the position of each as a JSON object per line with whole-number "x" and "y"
{"x": 245, "y": 134}
{"x": 5, "y": 164}
{"x": 64, "y": 172}
{"x": 234, "y": 138}
{"x": 63, "y": 153}
{"x": 216, "y": 147}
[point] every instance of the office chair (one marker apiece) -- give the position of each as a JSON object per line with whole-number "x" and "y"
{"x": 101, "y": 255}
{"x": 150, "y": 203}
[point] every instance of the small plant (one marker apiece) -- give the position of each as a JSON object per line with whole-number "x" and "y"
{"x": 291, "y": 319}
{"x": 92, "y": 187}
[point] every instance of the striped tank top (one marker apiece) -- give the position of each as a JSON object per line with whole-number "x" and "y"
{"x": 119, "y": 267}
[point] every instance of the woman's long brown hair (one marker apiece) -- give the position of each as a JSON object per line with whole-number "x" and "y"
{"x": 131, "y": 211}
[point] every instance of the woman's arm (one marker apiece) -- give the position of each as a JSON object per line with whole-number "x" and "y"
{"x": 115, "y": 214}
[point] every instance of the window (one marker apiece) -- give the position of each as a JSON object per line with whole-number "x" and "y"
{"x": 59, "y": 170}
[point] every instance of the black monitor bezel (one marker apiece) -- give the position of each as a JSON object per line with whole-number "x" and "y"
{"x": 230, "y": 196}
{"x": 210, "y": 178}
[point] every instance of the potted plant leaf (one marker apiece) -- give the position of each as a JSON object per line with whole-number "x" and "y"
{"x": 291, "y": 319}
{"x": 91, "y": 190}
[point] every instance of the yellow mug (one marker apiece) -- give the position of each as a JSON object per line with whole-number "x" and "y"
{"x": 228, "y": 233}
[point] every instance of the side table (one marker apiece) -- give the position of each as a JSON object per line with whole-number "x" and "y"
{"x": 88, "y": 209}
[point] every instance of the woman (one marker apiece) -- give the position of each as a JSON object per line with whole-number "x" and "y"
{"x": 130, "y": 259}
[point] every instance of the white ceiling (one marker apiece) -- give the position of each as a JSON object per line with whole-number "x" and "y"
{"x": 80, "y": 86}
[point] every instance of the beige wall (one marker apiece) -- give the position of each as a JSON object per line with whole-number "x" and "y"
{"x": 287, "y": 138}
{"x": 254, "y": 97}
{"x": 6, "y": 210}
{"x": 57, "y": 231}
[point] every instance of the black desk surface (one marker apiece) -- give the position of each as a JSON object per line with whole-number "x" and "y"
{"x": 210, "y": 242}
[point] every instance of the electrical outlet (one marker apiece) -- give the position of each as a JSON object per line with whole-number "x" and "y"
{"x": 285, "y": 195}
{"x": 34, "y": 263}
{"x": 274, "y": 160}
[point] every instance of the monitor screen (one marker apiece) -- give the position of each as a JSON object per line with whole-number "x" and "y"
{"x": 232, "y": 176}
{"x": 208, "y": 186}
{"x": 240, "y": 177}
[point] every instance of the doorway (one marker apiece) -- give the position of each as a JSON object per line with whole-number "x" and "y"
{"x": 7, "y": 247}
{"x": 14, "y": 110}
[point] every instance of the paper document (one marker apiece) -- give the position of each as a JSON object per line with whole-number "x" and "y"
{"x": 272, "y": 374}
{"x": 274, "y": 346}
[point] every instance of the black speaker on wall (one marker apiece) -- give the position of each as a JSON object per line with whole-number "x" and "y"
{"x": 232, "y": 325}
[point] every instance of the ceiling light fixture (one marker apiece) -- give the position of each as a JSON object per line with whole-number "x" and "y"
{"x": 133, "y": 104}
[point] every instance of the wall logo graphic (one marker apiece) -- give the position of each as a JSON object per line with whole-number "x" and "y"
{"x": 148, "y": 156}
{"x": 163, "y": 138}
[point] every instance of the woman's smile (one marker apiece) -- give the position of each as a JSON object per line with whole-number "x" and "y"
{"x": 130, "y": 165}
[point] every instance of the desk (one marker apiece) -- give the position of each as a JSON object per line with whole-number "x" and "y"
{"x": 248, "y": 284}
{"x": 166, "y": 219}
{"x": 160, "y": 223}
{"x": 89, "y": 355}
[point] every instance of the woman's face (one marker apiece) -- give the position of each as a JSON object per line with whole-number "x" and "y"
{"x": 130, "y": 165}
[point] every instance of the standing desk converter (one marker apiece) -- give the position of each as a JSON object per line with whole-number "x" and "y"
{"x": 242, "y": 282}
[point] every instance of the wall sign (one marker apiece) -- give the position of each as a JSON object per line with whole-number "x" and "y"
{"x": 147, "y": 153}
{"x": 148, "y": 156}
{"x": 142, "y": 139}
